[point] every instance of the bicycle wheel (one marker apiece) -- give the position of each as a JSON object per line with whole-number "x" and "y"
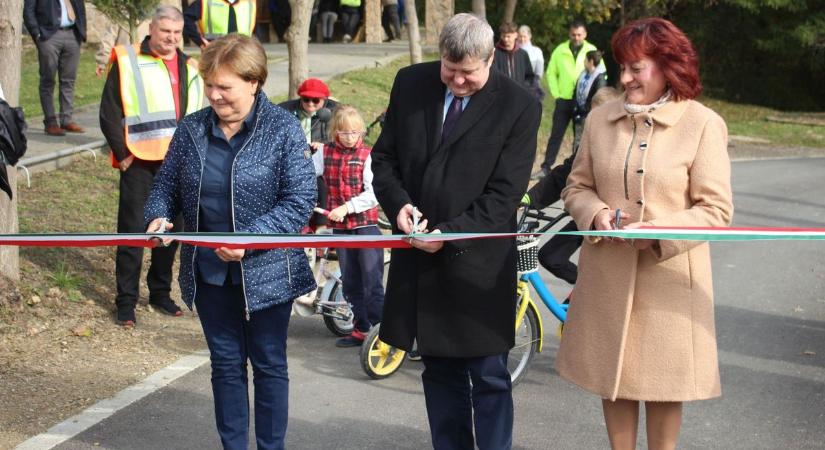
{"x": 527, "y": 338}
{"x": 338, "y": 327}
{"x": 378, "y": 359}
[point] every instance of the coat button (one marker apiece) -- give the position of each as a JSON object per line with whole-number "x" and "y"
{"x": 640, "y": 202}
{"x": 648, "y": 122}
{"x": 643, "y": 145}
{"x": 640, "y": 171}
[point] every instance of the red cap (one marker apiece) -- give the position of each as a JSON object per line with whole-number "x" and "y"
{"x": 313, "y": 88}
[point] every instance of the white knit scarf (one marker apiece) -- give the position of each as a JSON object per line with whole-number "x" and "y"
{"x": 638, "y": 109}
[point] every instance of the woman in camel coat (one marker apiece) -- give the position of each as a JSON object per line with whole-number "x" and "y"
{"x": 640, "y": 325}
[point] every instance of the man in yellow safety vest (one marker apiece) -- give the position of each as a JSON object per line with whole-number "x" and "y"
{"x": 207, "y": 20}
{"x": 148, "y": 90}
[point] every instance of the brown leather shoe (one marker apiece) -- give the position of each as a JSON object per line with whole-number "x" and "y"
{"x": 54, "y": 130}
{"x": 73, "y": 127}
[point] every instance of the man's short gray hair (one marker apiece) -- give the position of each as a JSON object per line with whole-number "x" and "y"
{"x": 525, "y": 29}
{"x": 167, "y": 12}
{"x": 466, "y": 35}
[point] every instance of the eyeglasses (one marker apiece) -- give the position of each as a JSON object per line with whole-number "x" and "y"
{"x": 349, "y": 133}
{"x": 311, "y": 100}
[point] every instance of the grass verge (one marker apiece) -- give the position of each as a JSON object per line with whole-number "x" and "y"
{"x": 87, "y": 86}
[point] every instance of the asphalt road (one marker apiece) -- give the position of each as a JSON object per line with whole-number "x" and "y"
{"x": 770, "y": 324}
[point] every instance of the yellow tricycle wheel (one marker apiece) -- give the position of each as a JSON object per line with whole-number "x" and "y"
{"x": 378, "y": 359}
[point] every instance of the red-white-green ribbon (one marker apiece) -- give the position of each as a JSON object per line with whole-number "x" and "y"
{"x": 266, "y": 241}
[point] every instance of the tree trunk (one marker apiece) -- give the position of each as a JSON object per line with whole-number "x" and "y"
{"x": 480, "y": 9}
{"x": 374, "y": 34}
{"x": 509, "y": 10}
{"x": 11, "y": 15}
{"x": 437, "y": 13}
{"x": 297, "y": 44}
{"x": 412, "y": 29}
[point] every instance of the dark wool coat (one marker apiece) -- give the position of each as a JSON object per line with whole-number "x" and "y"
{"x": 459, "y": 301}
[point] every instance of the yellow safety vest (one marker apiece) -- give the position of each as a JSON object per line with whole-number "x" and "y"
{"x": 149, "y": 113}
{"x": 351, "y": 3}
{"x": 214, "y": 21}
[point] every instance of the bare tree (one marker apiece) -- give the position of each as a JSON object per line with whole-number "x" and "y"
{"x": 509, "y": 10}
{"x": 127, "y": 13}
{"x": 11, "y": 18}
{"x": 480, "y": 9}
{"x": 297, "y": 44}
{"x": 412, "y": 30}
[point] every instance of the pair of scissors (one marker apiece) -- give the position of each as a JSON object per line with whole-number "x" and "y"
{"x": 162, "y": 229}
{"x": 415, "y": 221}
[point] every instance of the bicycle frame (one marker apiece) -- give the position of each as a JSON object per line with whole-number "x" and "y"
{"x": 559, "y": 310}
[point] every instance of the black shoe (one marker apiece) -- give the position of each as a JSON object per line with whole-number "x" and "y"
{"x": 126, "y": 318}
{"x": 167, "y": 306}
{"x": 413, "y": 355}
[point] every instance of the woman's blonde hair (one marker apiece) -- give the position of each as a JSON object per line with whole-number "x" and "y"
{"x": 346, "y": 117}
{"x": 242, "y": 55}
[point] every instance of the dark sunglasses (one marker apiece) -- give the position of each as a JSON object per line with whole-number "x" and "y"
{"x": 311, "y": 100}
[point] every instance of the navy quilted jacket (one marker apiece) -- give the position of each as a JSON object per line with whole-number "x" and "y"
{"x": 273, "y": 191}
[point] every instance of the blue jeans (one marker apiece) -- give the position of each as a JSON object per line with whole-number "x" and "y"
{"x": 362, "y": 275}
{"x": 466, "y": 393}
{"x": 232, "y": 340}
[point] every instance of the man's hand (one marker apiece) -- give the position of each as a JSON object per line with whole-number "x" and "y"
{"x": 428, "y": 246}
{"x": 639, "y": 244}
{"x": 229, "y": 254}
{"x": 124, "y": 165}
{"x": 154, "y": 227}
{"x": 99, "y": 70}
{"x": 338, "y": 214}
{"x": 404, "y": 220}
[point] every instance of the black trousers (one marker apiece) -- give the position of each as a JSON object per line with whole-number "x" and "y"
{"x": 135, "y": 185}
{"x": 463, "y": 394}
{"x": 562, "y": 116}
{"x": 555, "y": 254}
{"x": 391, "y": 22}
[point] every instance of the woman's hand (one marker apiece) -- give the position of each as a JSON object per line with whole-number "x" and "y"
{"x": 606, "y": 220}
{"x": 639, "y": 244}
{"x": 338, "y": 214}
{"x": 230, "y": 254}
{"x": 154, "y": 227}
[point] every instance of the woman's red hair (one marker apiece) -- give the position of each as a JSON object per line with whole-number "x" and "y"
{"x": 664, "y": 43}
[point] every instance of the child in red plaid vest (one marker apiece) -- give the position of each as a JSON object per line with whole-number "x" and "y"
{"x": 353, "y": 209}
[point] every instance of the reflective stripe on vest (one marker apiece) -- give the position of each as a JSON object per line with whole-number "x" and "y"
{"x": 214, "y": 21}
{"x": 149, "y": 118}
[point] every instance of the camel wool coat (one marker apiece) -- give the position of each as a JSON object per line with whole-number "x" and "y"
{"x": 640, "y": 324}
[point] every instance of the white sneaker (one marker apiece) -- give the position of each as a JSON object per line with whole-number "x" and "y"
{"x": 347, "y": 38}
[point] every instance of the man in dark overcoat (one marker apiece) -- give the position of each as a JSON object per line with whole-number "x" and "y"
{"x": 458, "y": 144}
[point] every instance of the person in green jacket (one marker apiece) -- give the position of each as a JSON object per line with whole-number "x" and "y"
{"x": 566, "y": 64}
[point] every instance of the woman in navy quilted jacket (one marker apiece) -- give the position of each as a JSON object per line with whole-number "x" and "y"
{"x": 240, "y": 166}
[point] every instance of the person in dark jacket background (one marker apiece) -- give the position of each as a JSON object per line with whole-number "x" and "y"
{"x": 590, "y": 81}
{"x": 240, "y": 166}
{"x": 512, "y": 60}
{"x": 57, "y": 28}
{"x": 458, "y": 143}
